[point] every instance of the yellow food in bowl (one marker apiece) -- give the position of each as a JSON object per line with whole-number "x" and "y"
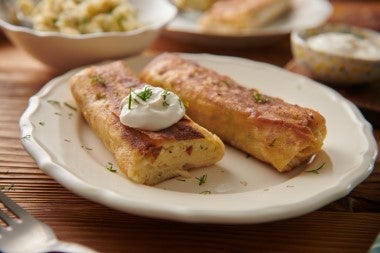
{"x": 80, "y": 16}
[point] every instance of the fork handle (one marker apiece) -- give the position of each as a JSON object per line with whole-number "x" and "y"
{"x": 67, "y": 247}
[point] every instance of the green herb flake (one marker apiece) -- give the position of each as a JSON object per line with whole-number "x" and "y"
{"x": 41, "y": 123}
{"x": 7, "y": 187}
{"x": 186, "y": 104}
{"x": 164, "y": 96}
{"x": 145, "y": 94}
{"x": 202, "y": 179}
{"x": 70, "y": 106}
{"x": 54, "y": 102}
{"x": 260, "y": 98}
{"x": 225, "y": 83}
{"x": 110, "y": 167}
{"x": 84, "y": 21}
{"x": 205, "y": 192}
{"x": 130, "y": 99}
{"x": 272, "y": 143}
{"x": 98, "y": 80}
{"x": 120, "y": 22}
{"x": 86, "y": 148}
{"x": 101, "y": 96}
{"x": 316, "y": 171}
{"x": 243, "y": 182}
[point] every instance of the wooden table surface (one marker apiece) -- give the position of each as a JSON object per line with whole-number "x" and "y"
{"x": 349, "y": 224}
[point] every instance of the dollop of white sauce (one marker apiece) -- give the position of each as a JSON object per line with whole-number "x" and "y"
{"x": 346, "y": 44}
{"x": 151, "y": 108}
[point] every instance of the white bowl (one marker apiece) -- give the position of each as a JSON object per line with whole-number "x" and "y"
{"x": 62, "y": 51}
{"x": 335, "y": 69}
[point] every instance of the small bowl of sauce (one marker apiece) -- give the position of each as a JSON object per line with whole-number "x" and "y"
{"x": 338, "y": 54}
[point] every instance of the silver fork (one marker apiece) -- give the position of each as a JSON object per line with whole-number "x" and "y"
{"x": 24, "y": 233}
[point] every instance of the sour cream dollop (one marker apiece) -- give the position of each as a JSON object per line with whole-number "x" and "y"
{"x": 346, "y": 44}
{"x": 151, "y": 108}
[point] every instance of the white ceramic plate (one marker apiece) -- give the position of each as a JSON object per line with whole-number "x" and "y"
{"x": 305, "y": 14}
{"x": 238, "y": 189}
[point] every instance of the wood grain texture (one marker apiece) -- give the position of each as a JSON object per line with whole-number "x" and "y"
{"x": 349, "y": 224}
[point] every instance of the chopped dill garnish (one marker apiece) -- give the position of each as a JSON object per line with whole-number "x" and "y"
{"x": 316, "y": 171}
{"x": 110, "y": 167}
{"x": 130, "y": 99}
{"x": 54, "y": 102}
{"x": 70, "y": 106}
{"x": 145, "y": 94}
{"x": 243, "y": 182}
{"x": 41, "y": 123}
{"x": 98, "y": 80}
{"x": 272, "y": 143}
{"x": 205, "y": 192}
{"x": 120, "y": 22}
{"x": 86, "y": 148}
{"x": 83, "y": 21}
{"x": 202, "y": 179}
{"x": 8, "y": 187}
{"x": 101, "y": 96}
{"x": 225, "y": 83}
{"x": 260, "y": 98}
{"x": 164, "y": 96}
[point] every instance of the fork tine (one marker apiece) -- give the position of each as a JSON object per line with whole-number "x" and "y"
{"x": 6, "y": 218}
{"x": 8, "y": 203}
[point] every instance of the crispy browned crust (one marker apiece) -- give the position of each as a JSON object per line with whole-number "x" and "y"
{"x": 266, "y": 127}
{"x": 106, "y": 86}
{"x": 98, "y": 91}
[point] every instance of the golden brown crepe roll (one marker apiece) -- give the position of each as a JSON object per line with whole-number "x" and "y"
{"x": 241, "y": 16}
{"x": 281, "y": 134}
{"x": 146, "y": 157}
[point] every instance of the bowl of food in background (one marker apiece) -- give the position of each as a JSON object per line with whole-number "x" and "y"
{"x": 338, "y": 54}
{"x": 65, "y": 34}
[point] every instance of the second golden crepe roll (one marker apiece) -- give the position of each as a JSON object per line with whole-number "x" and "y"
{"x": 268, "y": 128}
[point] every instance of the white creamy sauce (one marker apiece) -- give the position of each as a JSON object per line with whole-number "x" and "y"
{"x": 151, "y": 108}
{"x": 346, "y": 44}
